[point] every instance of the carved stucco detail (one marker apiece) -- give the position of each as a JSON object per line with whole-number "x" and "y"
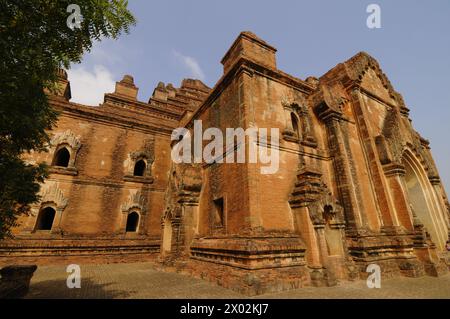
{"x": 306, "y": 134}
{"x": 146, "y": 153}
{"x": 135, "y": 200}
{"x": 185, "y": 184}
{"x": 334, "y": 87}
{"x": 68, "y": 138}
{"x": 320, "y": 215}
{"x": 311, "y": 192}
{"x": 389, "y": 143}
{"x": 356, "y": 68}
{"x": 51, "y": 193}
{"x": 392, "y": 144}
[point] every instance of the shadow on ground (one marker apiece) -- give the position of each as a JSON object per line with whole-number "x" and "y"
{"x": 57, "y": 289}
{"x": 141, "y": 280}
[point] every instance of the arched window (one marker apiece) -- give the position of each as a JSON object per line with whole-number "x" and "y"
{"x": 132, "y": 222}
{"x": 62, "y": 157}
{"x": 45, "y": 219}
{"x": 294, "y": 121}
{"x": 139, "y": 168}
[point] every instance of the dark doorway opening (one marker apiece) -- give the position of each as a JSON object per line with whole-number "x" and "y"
{"x": 45, "y": 219}
{"x": 132, "y": 222}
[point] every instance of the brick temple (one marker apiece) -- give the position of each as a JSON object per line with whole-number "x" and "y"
{"x": 356, "y": 184}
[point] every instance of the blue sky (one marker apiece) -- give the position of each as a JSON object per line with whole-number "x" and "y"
{"x": 177, "y": 39}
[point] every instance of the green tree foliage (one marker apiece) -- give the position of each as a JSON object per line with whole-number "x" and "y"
{"x": 35, "y": 41}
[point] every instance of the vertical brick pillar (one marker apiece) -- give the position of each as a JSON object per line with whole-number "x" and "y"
{"x": 189, "y": 227}
{"x": 395, "y": 175}
{"x": 56, "y": 228}
{"x": 305, "y": 228}
{"x": 320, "y": 233}
{"x": 373, "y": 164}
{"x": 253, "y": 220}
{"x": 342, "y": 171}
{"x": 31, "y": 220}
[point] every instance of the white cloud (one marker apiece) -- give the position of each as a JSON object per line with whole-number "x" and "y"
{"x": 108, "y": 56}
{"x": 191, "y": 64}
{"x": 89, "y": 87}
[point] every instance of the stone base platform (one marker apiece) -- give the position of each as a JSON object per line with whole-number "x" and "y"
{"x": 249, "y": 264}
{"x": 396, "y": 254}
{"x": 86, "y": 251}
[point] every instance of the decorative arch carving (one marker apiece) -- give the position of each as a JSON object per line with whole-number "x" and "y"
{"x": 185, "y": 183}
{"x": 70, "y": 141}
{"x": 68, "y": 138}
{"x": 182, "y": 193}
{"x": 136, "y": 200}
{"x": 51, "y": 193}
{"x": 393, "y": 143}
{"x": 306, "y": 134}
{"x": 320, "y": 215}
{"x": 357, "y": 67}
{"x": 311, "y": 192}
{"x": 146, "y": 153}
{"x": 50, "y": 196}
{"x": 335, "y": 87}
{"x": 172, "y": 215}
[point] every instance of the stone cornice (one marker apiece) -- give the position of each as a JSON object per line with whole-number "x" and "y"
{"x": 392, "y": 169}
{"x": 102, "y": 182}
{"x": 148, "y": 108}
{"x": 101, "y": 115}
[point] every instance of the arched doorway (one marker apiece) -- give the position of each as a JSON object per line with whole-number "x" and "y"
{"x": 420, "y": 195}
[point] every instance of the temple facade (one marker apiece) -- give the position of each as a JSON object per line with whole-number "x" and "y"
{"x": 356, "y": 184}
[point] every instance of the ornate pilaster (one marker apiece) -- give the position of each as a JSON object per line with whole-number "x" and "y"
{"x": 320, "y": 221}
{"x": 395, "y": 174}
{"x": 370, "y": 149}
{"x": 342, "y": 168}
{"x": 181, "y": 219}
{"x": 305, "y": 133}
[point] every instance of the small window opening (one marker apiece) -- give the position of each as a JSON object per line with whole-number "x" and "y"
{"x": 139, "y": 168}
{"x": 62, "y": 158}
{"x": 132, "y": 222}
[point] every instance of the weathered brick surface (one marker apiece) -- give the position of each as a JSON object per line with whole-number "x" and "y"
{"x": 356, "y": 183}
{"x": 349, "y": 163}
{"x": 94, "y": 195}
